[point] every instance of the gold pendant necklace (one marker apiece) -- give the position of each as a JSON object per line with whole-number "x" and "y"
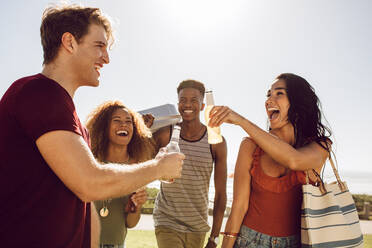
{"x": 104, "y": 210}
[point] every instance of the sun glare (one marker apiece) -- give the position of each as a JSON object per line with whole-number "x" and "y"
{"x": 202, "y": 14}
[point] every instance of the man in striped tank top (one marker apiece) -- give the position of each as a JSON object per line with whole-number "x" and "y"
{"x": 181, "y": 207}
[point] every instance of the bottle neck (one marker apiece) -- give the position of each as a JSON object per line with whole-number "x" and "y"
{"x": 209, "y": 100}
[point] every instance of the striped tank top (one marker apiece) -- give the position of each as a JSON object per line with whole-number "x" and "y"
{"x": 183, "y": 204}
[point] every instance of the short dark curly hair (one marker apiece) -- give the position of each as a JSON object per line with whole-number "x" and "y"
{"x": 190, "y": 83}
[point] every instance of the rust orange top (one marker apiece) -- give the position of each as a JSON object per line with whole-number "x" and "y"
{"x": 275, "y": 203}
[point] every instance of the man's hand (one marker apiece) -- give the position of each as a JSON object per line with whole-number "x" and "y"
{"x": 210, "y": 244}
{"x": 148, "y": 119}
{"x": 170, "y": 164}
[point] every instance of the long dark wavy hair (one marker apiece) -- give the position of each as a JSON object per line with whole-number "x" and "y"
{"x": 140, "y": 148}
{"x": 305, "y": 112}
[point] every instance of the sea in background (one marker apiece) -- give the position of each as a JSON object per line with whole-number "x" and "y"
{"x": 358, "y": 183}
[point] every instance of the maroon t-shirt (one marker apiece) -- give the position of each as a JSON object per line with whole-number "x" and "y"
{"x": 37, "y": 209}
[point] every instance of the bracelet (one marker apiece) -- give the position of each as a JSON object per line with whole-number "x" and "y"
{"x": 229, "y": 234}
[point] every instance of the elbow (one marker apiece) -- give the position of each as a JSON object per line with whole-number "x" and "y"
{"x": 239, "y": 208}
{"x": 85, "y": 196}
{"x": 293, "y": 164}
{"x": 131, "y": 224}
{"x": 220, "y": 200}
{"x": 87, "y": 192}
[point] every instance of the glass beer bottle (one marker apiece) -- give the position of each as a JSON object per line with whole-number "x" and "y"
{"x": 173, "y": 145}
{"x": 214, "y": 133}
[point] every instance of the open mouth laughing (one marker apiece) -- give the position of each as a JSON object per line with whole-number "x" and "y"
{"x": 122, "y": 133}
{"x": 98, "y": 67}
{"x": 273, "y": 113}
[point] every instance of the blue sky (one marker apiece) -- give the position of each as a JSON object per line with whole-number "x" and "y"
{"x": 236, "y": 48}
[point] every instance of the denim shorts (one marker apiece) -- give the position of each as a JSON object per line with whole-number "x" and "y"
{"x": 250, "y": 238}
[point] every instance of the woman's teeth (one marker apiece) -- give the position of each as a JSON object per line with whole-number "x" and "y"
{"x": 122, "y": 133}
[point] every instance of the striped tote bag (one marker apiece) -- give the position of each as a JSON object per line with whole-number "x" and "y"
{"x": 328, "y": 216}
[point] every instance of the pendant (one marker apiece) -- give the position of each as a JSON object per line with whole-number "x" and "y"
{"x": 104, "y": 212}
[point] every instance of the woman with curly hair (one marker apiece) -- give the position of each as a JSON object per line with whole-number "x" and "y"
{"x": 119, "y": 135}
{"x": 269, "y": 171}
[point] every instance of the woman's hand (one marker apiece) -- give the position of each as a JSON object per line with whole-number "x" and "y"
{"x": 221, "y": 114}
{"x": 139, "y": 198}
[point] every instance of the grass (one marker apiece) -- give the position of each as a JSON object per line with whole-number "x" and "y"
{"x": 368, "y": 241}
{"x": 147, "y": 239}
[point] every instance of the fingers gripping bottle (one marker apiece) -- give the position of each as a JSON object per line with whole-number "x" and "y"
{"x": 173, "y": 145}
{"x": 214, "y": 133}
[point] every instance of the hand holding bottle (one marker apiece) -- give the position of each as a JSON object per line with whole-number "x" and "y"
{"x": 214, "y": 132}
{"x": 171, "y": 150}
{"x": 221, "y": 114}
{"x": 173, "y": 146}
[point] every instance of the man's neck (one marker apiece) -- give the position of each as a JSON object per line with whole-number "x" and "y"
{"x": 61, "y": 76}
{"x": 192, "y": 129}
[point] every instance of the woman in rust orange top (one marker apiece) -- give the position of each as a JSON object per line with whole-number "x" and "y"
{"x": 270, "y": 167}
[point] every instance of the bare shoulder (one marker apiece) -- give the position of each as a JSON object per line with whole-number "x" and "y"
{"x": 245, "y": 158}
{"x": 323, "y": 147}
{"x": 220, "y": 146}
{"x": 248, "y": 145}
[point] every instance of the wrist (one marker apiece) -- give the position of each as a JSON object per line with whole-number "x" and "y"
{"x": 156, "y": 166}
{"x": 242, "y": 121}
{"x": 230, "y": 234}
{"x": 214, "y": 239}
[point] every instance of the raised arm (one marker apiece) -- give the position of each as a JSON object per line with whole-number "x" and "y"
{"x": 70, "y": 158}
{"x": 162, "y": 137}
{"x": 242, "y": 189}
{"x": 139, "y": 198}
{"x": 220, "y": 171}
{"x": 311, "y": 156}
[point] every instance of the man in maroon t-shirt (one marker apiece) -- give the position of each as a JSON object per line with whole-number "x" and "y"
{"x": 48, "y": 175}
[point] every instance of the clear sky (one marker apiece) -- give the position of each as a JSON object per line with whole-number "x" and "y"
{"x": 236, "y": 48}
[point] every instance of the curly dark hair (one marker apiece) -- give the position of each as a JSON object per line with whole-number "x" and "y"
{"x": 190, "y": 83}
{"x": 305, "y": 111}
{"x": 140, "y": 148}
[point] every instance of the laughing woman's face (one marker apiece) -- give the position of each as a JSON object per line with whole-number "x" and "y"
{"x": 121, "y": 127}
{"x": 277, "y": 104}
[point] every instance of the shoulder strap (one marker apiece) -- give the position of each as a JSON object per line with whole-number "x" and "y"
{"x": 320, "y": 182}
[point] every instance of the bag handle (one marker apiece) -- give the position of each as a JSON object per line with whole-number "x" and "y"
{"x": 335, "y": 172}
{"x": 320, "y": 182}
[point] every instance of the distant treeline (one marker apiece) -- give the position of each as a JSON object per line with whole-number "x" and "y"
{"x": 152, "y": 192}
{"x": 360, "y": 199}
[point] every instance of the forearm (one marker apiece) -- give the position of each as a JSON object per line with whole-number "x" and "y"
{"x": 95, "y": 227}
{"x": 233, "y": 224}
{"x": 133, "y": 218}
{"x": 218, "y": 214}
{"x": 111, "y": 180}
{"x": 279, "y": 150}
